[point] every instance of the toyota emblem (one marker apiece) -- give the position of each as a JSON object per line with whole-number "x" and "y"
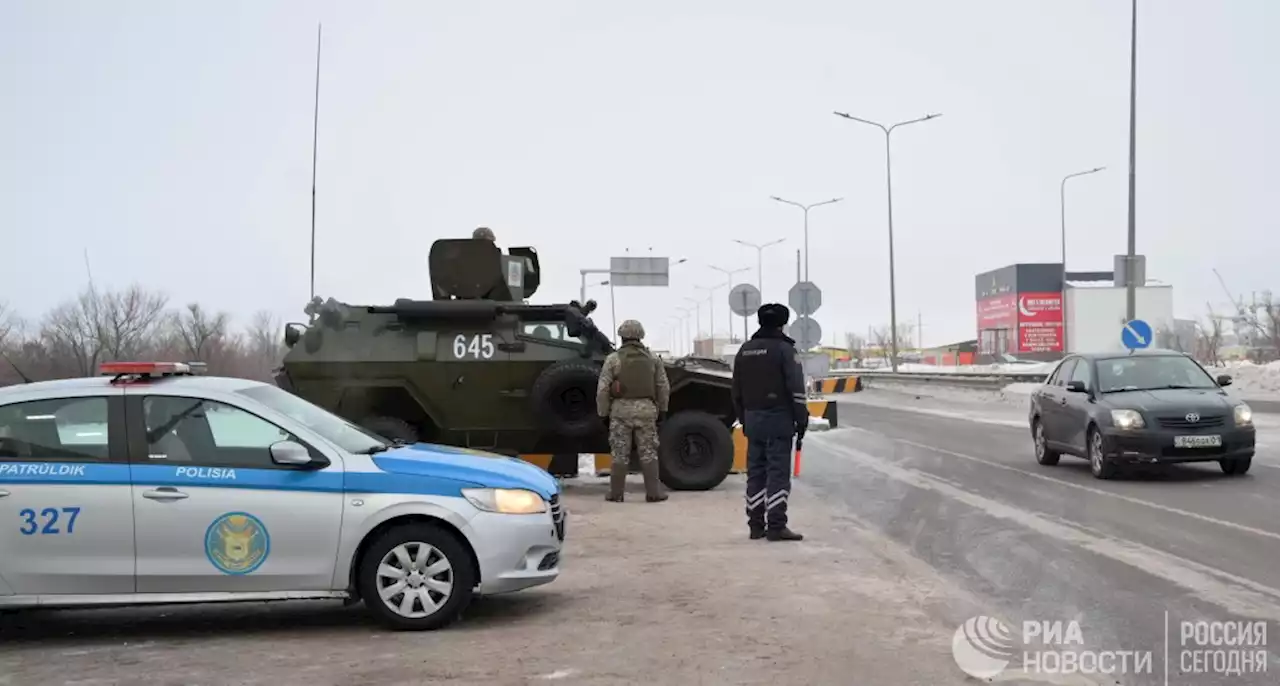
{"x": 1193, "y": 417}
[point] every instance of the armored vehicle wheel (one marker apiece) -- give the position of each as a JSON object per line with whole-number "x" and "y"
{"x": 695, "y": 451}
{"x": 564, "y": 397}
{"x": 392, "y": 428}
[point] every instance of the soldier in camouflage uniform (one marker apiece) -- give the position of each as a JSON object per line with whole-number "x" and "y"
{"x": 486, "y": 233}
{"x": 632, "y": 398}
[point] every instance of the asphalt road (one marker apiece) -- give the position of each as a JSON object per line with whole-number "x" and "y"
{"x": 1045, "y": 544}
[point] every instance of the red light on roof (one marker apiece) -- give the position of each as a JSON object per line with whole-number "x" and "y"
{"x": 142, "y": 368}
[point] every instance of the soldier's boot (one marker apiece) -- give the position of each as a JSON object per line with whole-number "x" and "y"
{"x": 617, "y": 482}
{"x": 783, "y": 534}
{"x": 652, "y": 483}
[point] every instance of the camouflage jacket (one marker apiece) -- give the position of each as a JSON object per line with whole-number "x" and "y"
{"x": 605, "y": 400}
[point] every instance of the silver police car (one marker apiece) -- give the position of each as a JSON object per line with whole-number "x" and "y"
{"x": 151, "y": 484}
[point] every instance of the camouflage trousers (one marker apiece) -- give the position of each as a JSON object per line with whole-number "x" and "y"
{"x": 633, "y": 422}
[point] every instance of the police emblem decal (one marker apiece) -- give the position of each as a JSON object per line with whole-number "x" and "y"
{"x": 237, "y": 543}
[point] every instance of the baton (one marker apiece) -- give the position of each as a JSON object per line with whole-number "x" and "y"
{"x": 795, "y": 473}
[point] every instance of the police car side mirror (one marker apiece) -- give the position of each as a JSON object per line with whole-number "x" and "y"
{"x": 291, "y": 454}
{"x": 1224, "y": 380}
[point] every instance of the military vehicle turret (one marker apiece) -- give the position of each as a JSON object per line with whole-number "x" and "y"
{"x": 478, "y": 367}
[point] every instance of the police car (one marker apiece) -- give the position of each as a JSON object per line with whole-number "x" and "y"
{"x": 152, "y": 484}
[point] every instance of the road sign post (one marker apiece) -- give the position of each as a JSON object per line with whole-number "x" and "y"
{"x": 1136, "y": 335}
{"x": 744, "y": 300}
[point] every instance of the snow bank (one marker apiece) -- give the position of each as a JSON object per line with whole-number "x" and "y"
{"x": 1252, "y": 380}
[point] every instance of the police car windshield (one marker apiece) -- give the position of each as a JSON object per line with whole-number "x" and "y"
{"x": 337, "y": 430}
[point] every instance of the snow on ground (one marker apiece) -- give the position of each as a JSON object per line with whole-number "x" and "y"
{"x": 1249, "y": 380}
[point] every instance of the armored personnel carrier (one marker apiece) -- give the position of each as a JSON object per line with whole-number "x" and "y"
{"x": 478, "y": 367}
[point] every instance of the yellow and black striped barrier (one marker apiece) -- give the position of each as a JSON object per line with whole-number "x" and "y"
{"x": 825, "y": 409}
{"x": 838, "y": 384}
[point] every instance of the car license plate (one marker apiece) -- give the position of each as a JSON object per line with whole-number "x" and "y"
{"x": 1197, "y": 441}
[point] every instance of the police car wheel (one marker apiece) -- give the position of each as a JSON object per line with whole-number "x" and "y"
{"x": 416, "y": 577}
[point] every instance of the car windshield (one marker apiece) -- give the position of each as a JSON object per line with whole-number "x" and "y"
{"x": 337, "y": 430}
{"x": 1146, "y": 373}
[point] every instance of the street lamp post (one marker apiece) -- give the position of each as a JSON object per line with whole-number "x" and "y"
{"x": 759, "y": 260}
{"x": 711, "y": 310}
{"x": 1130, "y": 283}
{"x": 1062, "y": 205}
{"x": 728, "y": 277}
{"x": 888, "y": 172}
{"x": 697, "y": 316}
{"x": 806, "y": 209}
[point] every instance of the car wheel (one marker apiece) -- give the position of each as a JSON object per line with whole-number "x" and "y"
{"x": 1236, "y": 467}
{"x": 416, "y": 577}
{"x": 1101, "y": 467}
{"x": 695, "y": 451}
{"x": 1044, "y": 455}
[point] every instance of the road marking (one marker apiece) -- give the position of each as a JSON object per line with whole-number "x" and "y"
{"x": 1234, "y": 593}
{"x": 1088, "y": 489}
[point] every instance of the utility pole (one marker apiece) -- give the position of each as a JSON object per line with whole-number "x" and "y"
{"x": 1130, "y": 282}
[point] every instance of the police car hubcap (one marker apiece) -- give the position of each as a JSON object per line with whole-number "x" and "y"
{"x": 415, "y": 579}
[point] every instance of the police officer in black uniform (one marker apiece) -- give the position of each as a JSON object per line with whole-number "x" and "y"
{"x": 769, "y": 399}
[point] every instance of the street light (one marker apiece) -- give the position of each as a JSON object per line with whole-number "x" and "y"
{"x": 711, "y": 309}
{"x": 759, "y": 260}
{"x": 806, "y": 209}
{"x": 1062, "y": 205}
{"x": 888, "y": 173}
{"x": 1130, "y": 283}
{"x": 697, "y": 318}
{"x": 728, "y": 276}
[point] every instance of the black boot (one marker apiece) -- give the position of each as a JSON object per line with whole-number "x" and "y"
{"x": 757, "y": 533}
{"x": 783, "y": 534}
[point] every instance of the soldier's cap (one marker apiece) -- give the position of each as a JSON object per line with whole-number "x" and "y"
{"x": 484, "y": 232}
{"x": 773, "y": 315}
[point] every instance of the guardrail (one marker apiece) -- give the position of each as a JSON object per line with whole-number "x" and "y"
{"x": 994, "y": 378}
{"x": 987, "y": 381}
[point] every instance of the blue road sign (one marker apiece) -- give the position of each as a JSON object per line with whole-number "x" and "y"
{"x": 1136, "y": 335}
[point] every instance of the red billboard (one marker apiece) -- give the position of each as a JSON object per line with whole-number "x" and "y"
{"x": 1039, "y": 322}
{"x": 999, "y": 312}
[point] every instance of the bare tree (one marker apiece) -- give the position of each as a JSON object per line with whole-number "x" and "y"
{"x": 1209, "y": 340}
{"x": 880, "y": 337}
{"x": 199, "y": 333}
{"x": 72, "y": 335}
{"x": 10, "y": 325}
{"x": 128, "y": 320}
{"x": 264, "y": 344}
{"x": 857, "y": 346}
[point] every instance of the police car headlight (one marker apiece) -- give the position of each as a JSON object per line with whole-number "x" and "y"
{"x": 505, "y": 500}
{"x": 1244, "y": 415}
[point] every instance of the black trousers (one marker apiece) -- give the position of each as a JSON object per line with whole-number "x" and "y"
{"x": 769, "y": 442}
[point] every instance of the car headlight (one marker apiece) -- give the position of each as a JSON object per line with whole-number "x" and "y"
{"x": 1244, "y": 415}
{"x": 1127, "y": 419}
{"x": 505, "y": 500}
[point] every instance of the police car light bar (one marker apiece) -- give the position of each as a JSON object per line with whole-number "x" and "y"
{"x": 142, "y": 368}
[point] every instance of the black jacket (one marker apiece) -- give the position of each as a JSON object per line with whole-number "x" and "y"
{"x": 767, "y": 374}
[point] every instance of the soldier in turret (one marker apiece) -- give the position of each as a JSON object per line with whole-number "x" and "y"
{"x": 632, "y": 397}
{"x": 486, "y": 233}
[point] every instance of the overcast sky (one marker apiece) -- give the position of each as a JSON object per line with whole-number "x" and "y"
{"x": 172, "y": 141}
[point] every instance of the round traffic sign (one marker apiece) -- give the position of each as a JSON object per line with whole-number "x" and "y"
{"x": 744, "y": 299}
{"x": 807, "y": 333}
{"x": 805, "y": 298}
{"x": 1136, "y": 335}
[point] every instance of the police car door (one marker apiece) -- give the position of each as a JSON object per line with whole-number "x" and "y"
{"x": 214, "y": 512}
{"x": 66, "y": 514}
